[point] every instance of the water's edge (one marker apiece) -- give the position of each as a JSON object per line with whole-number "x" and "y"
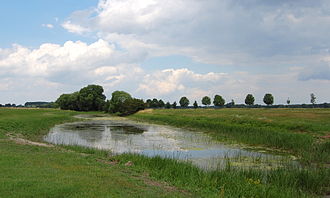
{"x": 127, "y": 136}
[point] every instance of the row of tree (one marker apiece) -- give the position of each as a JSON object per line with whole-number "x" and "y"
{"x": 218, "y": 101}
{"x": 10, "y": 105}
{"x": 91, "y": 98}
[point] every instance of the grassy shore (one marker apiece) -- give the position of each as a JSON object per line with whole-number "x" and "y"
{"x": 70, "y": 171}
{"x": 35, "y": 171}
{"x": 298, "y": 131}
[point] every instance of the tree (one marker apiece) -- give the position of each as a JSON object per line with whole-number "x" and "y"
{"x": 154, "y": 103}
{"x": 148, "y": 103}
{"x": 117, "y": 100}
{"x": 73, "y": 101}
{"x": 195, "y": 104}
{"x": 249, "y": 100}
{"x": 218, "y": 101}
{"x": 206, "y": 100}
{"x": 91, "y": 98}
{"x": 288, "y": 101}
{"x": 63, "y": 101}
{"x": 131, "y": 106}
{"x": 184, "y": 102}
{"x": 174, "y": 105}
{"x": 168, "y": 105}
{"x": 313, "y": 99}
{"x": 268, "y": 99}
{"x": 161, "y": 104}
{"x": 123, "y": 104}
{"x": 69, "y": 101}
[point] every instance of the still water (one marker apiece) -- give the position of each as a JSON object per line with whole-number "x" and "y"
{"x": 122, "y": 136}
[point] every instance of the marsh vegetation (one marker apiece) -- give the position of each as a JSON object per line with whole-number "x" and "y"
{"x": 65, "y": 170}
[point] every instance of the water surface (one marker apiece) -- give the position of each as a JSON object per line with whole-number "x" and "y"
{"x": 122, "y": 136}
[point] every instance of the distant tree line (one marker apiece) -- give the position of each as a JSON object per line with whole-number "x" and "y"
{"x": 10, "y": 105}
{"x": 41, "y": 104}
{"x": 219, "y": 101}
{"x": 33, "y": 105}
{"x": 91, "y": 98}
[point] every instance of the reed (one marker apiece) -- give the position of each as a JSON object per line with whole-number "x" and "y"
{"x": 296, "y": 131}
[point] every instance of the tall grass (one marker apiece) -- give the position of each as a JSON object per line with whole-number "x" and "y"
{"x": 32, "y": 171}
{"x": 31, "y": 123}
{"x": 233, "y": 182}
{"x": 246, "y": 127}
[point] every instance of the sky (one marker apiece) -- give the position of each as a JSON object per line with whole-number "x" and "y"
{"x": 166, "y": 49}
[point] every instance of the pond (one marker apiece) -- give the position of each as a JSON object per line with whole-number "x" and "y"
{"x": 122, "y": 136}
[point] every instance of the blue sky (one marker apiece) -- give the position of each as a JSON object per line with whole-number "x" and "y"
{"x": 22, "y": 21}
{"x": 165, "y": 49}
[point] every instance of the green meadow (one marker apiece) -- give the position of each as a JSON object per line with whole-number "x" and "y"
{"x": 28, "y": 170}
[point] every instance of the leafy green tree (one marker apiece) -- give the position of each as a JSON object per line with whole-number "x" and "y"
{"x": 195, "y": 104}
{"x": 249, "y": 100}
{"x": 131, "y": 106}
{"x": 91, "y": 98}
{"x": 174, "y": 105}
{"x": 74, "y": 101}
{"x": 313, "y": 99}
{"x": 123, "y": 104}
{"x": 161, "y": 104}
{"x": 117, "y": 100}
{"x": 154, "y": 103}
{"x": 268, "y": 99}
{"x": 206, "y": 100}
{"x": 218, "y": 101}
{"x": 148, "y": 103}
{"x": 69, "y": 101}
{"x": 184, "y": 102}
{"x": 168, "y": 105}
{"x": 63, "y": 101}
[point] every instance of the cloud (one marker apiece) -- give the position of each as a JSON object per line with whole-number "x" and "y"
{"x": 221, "y": 32}
{"x": 45, "y": 72}
{"x": 50, "y": 26}
{"x": 51, "y": 58}
{"x": 74, "y": 28}
{"x": 179, "y": 81}
{"x": 254, "y": 46}
{"x": 317, "y": 72}
{"x": 69, "y": 66}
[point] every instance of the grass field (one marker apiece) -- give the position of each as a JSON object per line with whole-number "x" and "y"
{"x": 34, "y": 171}
{"x": 58, "y": 171}
{"x": 299, "y": 131}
